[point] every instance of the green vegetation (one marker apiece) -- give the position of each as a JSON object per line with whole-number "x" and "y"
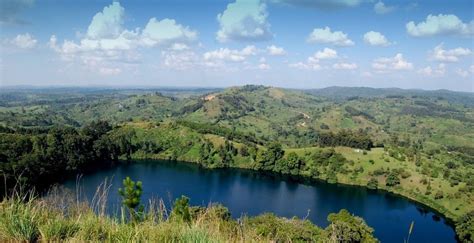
{"x": 414, "y": 143}
{"x": 131, "y": 195}
{"x": 59, "y": 217}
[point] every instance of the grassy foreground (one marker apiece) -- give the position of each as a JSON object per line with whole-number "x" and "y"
{"x": 60, "y": 217}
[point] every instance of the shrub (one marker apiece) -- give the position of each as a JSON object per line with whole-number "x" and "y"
{"x": 392, "y": 179}
{"x": 348, "y": 228}
{"x": 181, "y": 209}
{"x": 373, "y": 183}
{"x": 131, "y": 194}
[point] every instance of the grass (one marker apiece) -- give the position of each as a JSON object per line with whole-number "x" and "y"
{"x": 61, "y": 217}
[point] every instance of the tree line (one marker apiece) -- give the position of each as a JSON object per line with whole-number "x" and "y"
{"x": 42, "y": 158}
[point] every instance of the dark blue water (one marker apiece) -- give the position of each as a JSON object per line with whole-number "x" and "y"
{"x": 246, "y": 192}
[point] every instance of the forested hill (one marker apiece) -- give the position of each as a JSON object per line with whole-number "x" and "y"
{"x": 414, "y": 143}
{"x": 341, "y": 93}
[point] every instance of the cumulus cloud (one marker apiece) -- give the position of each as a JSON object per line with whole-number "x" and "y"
{"x": 275, "y": 51}
{"x": 323, "y": 4}
{"x": 263, "y": 66}
{"x": 374, "y": 38}
{"x": 345, "y": 66}
{"x": 180, "y": 60}
{"x": 314, "y": 62}
{"x": 381, "y": 8}
{"x": 434, "y": 72}
{"x": 397, "y": 62}
{"x": 327, "y": 53}
{"x": 219, "y": 56}
{"x": 244, "y": 20}
{"x": 326, "y": 36}
{"x": 108, "y": 23}
{"x": 461, "y": 72}
{"x": 305, "y": 65}
{"x": 453, "y": 55}
{"x": 440, "y": 25}
{"x": 23, "y": 41}
{"x": 109, "y": 71}
{"x": 107, "y": 43}
{"x": 9, "y": 10}
{"x": 166, "y": 31}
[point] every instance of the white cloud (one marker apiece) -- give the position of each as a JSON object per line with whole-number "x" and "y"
{"x": 471, "y": 69}
{"x": 323, "y": 4}
{"x": 376, "y": 39}
{"x": 244, "y": 20}
{"x": 24, "y": 41}
{"x": 225, "y": 54}
{"x": 453, "y": 55}
{"x": 108, "y": 23}
{"x": 381, "y": 8}
{"x": 343, "y": 65}
{"x": 440, "y": 25}
{"x": 327, "y": 53}
{"x": 366, "y": 74}
{"x": 314, "y": 62}
{"x": 325, "y": 36}
{"x": 275, "y": 51}
{"x": 395, "y": 63}
{"x": 108, "y": 45}
{"x": 263, "y": 66}
{"x": 166, "y": 31}
{"x": 305, "y": 65}
{"x": 429, "y": 71}
{"x": 181, "y": 60}
{"x": 179, "y": 47}
{"x": 109, "y": 71}
{"x": 462, "y": 73}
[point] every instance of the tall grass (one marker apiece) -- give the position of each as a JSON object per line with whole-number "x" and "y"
{"x": 60, "y": 216}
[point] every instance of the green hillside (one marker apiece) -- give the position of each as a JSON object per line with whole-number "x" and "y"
{"x": 414, "y": 143}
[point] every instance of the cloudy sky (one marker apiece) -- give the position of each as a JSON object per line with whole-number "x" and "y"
{"x": 286, "y": 43}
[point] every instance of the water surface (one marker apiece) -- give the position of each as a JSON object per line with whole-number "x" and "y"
{"x": 247, "y": 192}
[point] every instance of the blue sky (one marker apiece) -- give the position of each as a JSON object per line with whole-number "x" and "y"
{"x": 286, "y": 43}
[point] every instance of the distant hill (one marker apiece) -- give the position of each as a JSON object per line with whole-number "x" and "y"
{"x": 340, "y": 93}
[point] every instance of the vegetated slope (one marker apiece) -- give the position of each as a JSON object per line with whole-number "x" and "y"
{"x": 342, "y": 93}
{"x": 416, "y": 145}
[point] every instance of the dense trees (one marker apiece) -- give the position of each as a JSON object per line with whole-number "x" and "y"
{"x": 345, "y": 138}
{"x": 345, "y": 227}
{"x": 43, "y": 158}
{"x": 266, "y": 159}
{"x": 465, "y": 227}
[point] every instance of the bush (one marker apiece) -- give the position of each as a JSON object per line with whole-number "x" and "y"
{"x": 284, "y": 230}
{"x": 373, "y": 183}
{"x": 181, "y": 209}
{"x": 348, "y": 228}
{"x": 392, "y": 179}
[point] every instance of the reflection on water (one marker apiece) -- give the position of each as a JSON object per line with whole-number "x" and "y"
{"x": 247, "y": 192}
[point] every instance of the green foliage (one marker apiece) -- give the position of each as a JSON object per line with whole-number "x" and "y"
{"x": 131, "y": 198}
{"x": 373, "y": 183}
{"x": 284, "y": 230}
{"x": 465, "y": 227}
{"x": 266, "y": 159}
{"x": 181, "y": 209}
{"x": 392, "y": 179}
{"x": 44, "y": 158}
{"x": 345, "y": 227}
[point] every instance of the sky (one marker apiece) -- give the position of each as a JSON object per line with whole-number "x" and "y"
{"x": 425, "y": 44}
